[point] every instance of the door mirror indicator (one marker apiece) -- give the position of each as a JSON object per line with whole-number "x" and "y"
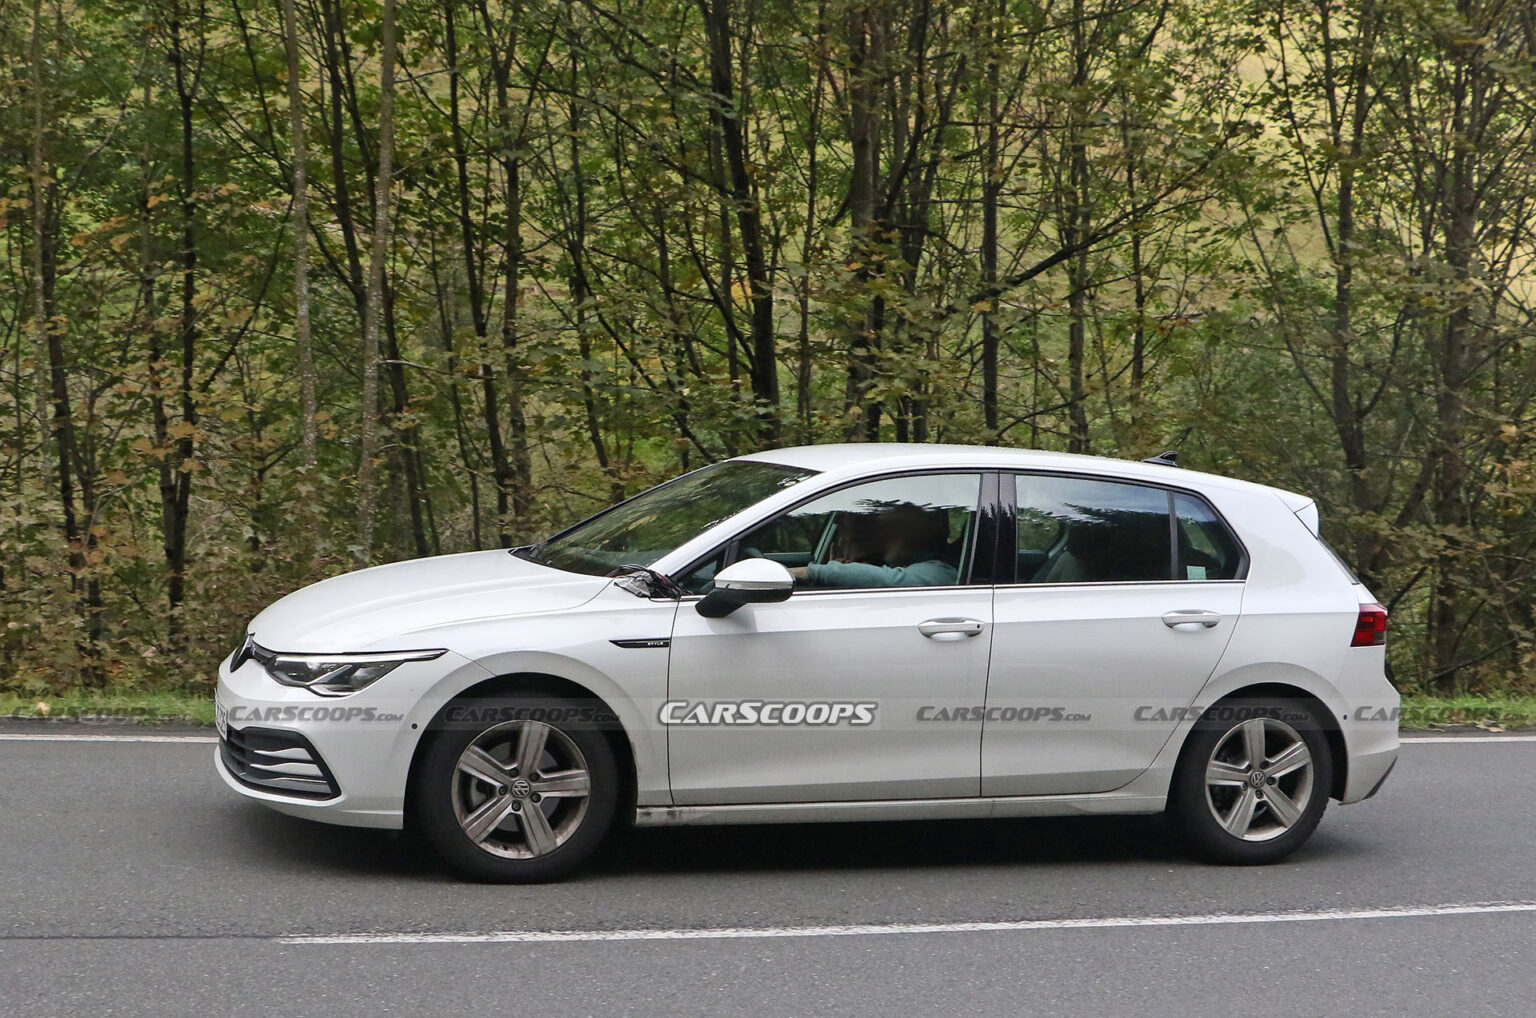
{"x": 750, "y": 581}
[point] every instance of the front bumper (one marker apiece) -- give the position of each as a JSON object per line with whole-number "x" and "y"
{"x": 341, "y": 760}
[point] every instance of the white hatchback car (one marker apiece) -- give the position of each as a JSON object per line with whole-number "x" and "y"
{"x": 834, "y": 633}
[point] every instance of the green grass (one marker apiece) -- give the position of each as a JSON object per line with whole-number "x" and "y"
{"x": 1511, "y": 710}
{"x": 1515, "y": 710}
{"x": 147, "y": 708}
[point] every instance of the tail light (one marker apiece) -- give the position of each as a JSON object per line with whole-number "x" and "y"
{"x": 1370, "y": 626}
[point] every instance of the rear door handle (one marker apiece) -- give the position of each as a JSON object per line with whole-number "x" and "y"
{"x": 950, "y": 629}
{"x": 1191, "y": 617}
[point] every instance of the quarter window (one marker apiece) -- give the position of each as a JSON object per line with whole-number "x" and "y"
{"x": 1207, "y": 549}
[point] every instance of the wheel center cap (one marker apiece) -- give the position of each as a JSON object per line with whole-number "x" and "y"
{"x": 520, "y": 788}
{"x": 1256, "y": 779}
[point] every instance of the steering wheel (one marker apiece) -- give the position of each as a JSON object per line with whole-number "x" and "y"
{"x": 747, "y": 551}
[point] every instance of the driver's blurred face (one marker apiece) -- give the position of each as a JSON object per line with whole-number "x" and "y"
{"x": 897, "y": 531}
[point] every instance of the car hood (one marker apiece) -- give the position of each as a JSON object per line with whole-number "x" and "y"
{"x": 401, "y": 605}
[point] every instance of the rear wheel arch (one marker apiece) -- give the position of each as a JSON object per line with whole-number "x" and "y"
{"x": 1326, "y": 718}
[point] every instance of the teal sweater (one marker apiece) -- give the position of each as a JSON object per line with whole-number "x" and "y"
{"x": 928, "y": 573}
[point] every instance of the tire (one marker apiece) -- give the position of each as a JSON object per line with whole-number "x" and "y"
{"x": 504, "y": 798}
{"x": 1221, "y": 811}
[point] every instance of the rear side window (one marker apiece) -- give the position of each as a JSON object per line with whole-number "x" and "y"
{"x": 1207, "y": 549}
{"x": 1084, "y": 530}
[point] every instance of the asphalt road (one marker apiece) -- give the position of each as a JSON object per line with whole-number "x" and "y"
{"x": 133, "y": 883}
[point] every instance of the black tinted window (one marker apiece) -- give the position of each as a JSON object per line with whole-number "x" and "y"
{"x": 1080, "y": 530}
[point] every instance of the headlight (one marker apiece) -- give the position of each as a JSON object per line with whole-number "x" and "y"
{"x": 330, "y": 674}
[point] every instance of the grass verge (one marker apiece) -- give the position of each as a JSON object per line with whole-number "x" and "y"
{"x": 1492, "y": 712}
{"x": 88, "y": 705}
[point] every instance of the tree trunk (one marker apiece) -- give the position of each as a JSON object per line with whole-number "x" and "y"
{"x": 176, "y": 495}
{"x": 864, "y": 44}
{"x": 991, "y": 189}
{"x": 42, "y": 186}
{"x": 763, "y": 367}
{"x": 299, "y": 229}
{"x": 367, "y": 482}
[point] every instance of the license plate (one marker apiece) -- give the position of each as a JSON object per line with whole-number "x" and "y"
{"x": 221, "y": 718}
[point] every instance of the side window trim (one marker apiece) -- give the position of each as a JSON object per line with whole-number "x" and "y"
{"x": 1174, "y": 570}
{"x": 984, "y": 567}
{"x": 728, "y": 549}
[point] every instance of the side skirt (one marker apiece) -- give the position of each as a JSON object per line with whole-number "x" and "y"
{"x": 898, "y": 809}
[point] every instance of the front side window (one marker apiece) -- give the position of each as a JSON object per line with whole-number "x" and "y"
{"x": 1083, "y": 530}
{"x": 658, "y": 521}
{"x": 914, "y": 531}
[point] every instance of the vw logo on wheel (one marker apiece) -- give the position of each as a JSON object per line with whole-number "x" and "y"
{"x": 1256, "y": 779}
{"x": 521, "y": 788}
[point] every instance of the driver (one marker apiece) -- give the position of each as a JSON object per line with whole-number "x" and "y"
{"x": 910, "y": 544}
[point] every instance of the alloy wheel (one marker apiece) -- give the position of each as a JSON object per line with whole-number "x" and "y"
{"x": 521, "y": 789}
{"x": 1259, "y": 778}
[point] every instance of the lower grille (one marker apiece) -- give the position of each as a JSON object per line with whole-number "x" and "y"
{"x": 277, "y": 761}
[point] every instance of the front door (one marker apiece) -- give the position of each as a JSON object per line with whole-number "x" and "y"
{"x": 817, "y": 698}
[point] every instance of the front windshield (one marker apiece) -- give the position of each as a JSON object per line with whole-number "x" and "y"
{"x": 655, "y": 522}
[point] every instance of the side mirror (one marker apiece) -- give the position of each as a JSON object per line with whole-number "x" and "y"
{"x": 750, "y": 581}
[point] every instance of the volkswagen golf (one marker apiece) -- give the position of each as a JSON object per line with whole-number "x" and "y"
{"x": 830, "y": 633}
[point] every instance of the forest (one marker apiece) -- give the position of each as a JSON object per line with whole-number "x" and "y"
{"x": 292, "y": 287}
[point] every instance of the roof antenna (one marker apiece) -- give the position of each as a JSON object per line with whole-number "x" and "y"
{"x": 1164, "y": 459}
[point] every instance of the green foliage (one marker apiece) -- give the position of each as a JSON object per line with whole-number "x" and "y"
{"x": 1293, "y": 241}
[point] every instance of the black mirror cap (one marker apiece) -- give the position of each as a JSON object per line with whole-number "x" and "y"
{"x": 717, "y": 605}
{"x": 721, "y": 601}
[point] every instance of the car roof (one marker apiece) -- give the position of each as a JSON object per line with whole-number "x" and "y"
{"x": 856, "y": 458}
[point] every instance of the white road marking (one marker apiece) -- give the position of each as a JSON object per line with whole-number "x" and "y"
{"x": 70, "y": 737}
{"x": 882, "y": 929}
{"x": 1465, "y": 740}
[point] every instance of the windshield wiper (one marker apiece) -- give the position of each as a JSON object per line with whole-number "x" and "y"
{"x": 531, "y": 552}
{"x": 655, "y": 584}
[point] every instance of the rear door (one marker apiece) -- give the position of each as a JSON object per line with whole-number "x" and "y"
{"x": 1123, "y": 600}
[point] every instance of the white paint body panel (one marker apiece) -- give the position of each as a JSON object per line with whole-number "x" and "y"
{"x": 1100, "y": 651}
{"x": 856, "y": 646}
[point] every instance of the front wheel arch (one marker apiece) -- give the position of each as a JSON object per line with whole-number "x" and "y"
{"x": 547, "y": 685}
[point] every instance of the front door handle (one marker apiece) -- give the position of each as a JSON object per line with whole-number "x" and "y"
{"x": 951, "y": 629}
{"x": 1191, "y": 617}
